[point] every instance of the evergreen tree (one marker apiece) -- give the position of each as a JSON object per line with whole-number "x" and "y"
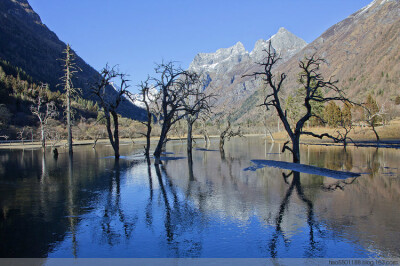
{"x": 317, "y": 110}
{"x": 372, "y": 108}
{"x": 332, "y": 114}
{"x": 346, "y": 115}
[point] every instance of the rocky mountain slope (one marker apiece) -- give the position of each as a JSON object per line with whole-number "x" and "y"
{"x": 225, "y": 67}
{"x": 362, "y": 52}
{"x": 27, "y": 43}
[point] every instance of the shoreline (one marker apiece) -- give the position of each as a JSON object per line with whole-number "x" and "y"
{"x": 361, "y": 142}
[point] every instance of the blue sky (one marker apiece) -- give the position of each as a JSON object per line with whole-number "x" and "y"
{"x": 137, "y": 34}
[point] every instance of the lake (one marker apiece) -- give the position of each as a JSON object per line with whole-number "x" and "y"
{"x": 91, "y": 206}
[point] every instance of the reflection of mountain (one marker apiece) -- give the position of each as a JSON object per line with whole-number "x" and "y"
{"x": 367, "y": 212}
{"x": 94, "y": 207}
{"x": 364, "y": 211}
{"x": 221, "y": 187}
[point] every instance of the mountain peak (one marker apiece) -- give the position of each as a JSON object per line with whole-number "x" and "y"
{"x": 239, "y": 46}
{"x": 223, "y": 58}
{"x": 284, "y": 42}
{"x": 283, "y": 30}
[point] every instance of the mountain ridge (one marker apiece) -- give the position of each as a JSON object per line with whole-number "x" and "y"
{"x": 225, "y": 67}
{"x": 29, "y": 44}
{"x": 362, "y": 52}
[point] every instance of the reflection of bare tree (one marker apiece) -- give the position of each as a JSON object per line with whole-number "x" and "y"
{"x": 190, "y": 166}
{"x": 339, "y": 159}
{"x": 191, "y": 186}
{"x": 339, "y": 184}
{"x": 113, "y": 209}
{"x": 178, "y": 216}
{"x": 373, "y": 163}
{"x": 72, "y": 212}
{"x": 311, "y": 222}
{"x": 149, "y": 207}
{"x": 167, "y": 223}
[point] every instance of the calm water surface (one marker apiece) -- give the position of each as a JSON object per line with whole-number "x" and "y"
{"x": 91, "y": 206}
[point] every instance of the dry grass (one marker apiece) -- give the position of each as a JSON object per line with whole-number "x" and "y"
{"x": 387, "y": 132}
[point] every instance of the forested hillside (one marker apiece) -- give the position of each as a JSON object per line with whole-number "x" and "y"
{"x": 26, "y": 43}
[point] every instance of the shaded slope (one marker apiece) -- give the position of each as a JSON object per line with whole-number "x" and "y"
{"x": 28, "y": 44}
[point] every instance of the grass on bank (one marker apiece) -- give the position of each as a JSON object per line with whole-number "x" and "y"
{"x": 387, "y": 132}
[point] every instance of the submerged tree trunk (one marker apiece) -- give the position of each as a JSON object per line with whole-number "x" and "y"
{"x": 43, "y": 136}
{"x": 114, "y": 138}
{"x": 94, "y": 143}
{"x": 207, "y": 139}
{"x": 376, "y": 133}
{"x": 296, "y": 149}
{"x": 269, "y": 133}
{"x": 160, "y": 145}
{"x": 221, "y": 143}
{"x": 116, "y": 135}
{"x": 148, "y": 140}
{"x": 189, "y": 138}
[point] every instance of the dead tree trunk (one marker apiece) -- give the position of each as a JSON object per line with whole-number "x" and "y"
{"x": 110, "y": 102}
{"x": 226, "y": 134}
{"x": 312, "y": 81}
{"x": 189, "y": 137}
{"x": 43, "y": 135}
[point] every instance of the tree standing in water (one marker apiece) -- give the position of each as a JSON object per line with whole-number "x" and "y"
{"x": 148, "y": 96}
{"x": 196, "y": 103}
{"x": 110, "y": 101}
{"x": 70, "y": 69}
{"x": 44, "y": 110}
{"x": 172, "y": 98}
{"x": 312, "y": 82}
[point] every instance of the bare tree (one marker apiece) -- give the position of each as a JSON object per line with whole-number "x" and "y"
{"x": 345, "y": 125}
{"x": 226, "y": 133}
{"x": 148, "y": 96}
{"x": 44, "y": 110}
{"x": 110, "y": 102}
{"x": 21, "y": 134}
{"x": 204, "y": 117}
{"x": 172, "y": 99}
{"x": 178, "y": 130}
{"x": 373, "y": 115}
{"x": 70, "y": 69}
{"x": 266, "y": 123}
{"x": 54, "y": 136}
{"x": 196, "y": 102}
{"x": 311, "y": 81}
{"x": 95, "y": 132}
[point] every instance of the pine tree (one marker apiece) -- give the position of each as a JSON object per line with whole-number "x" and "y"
{"x": 373, "y": 109}
{"x": 332, "y": 114}
{"x": 346, "y": 115}
{"x": 317, "y": 110}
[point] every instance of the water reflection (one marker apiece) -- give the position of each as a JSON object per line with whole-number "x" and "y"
{"x": 90, "y": 205}
{"x": 314, "y": 248}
